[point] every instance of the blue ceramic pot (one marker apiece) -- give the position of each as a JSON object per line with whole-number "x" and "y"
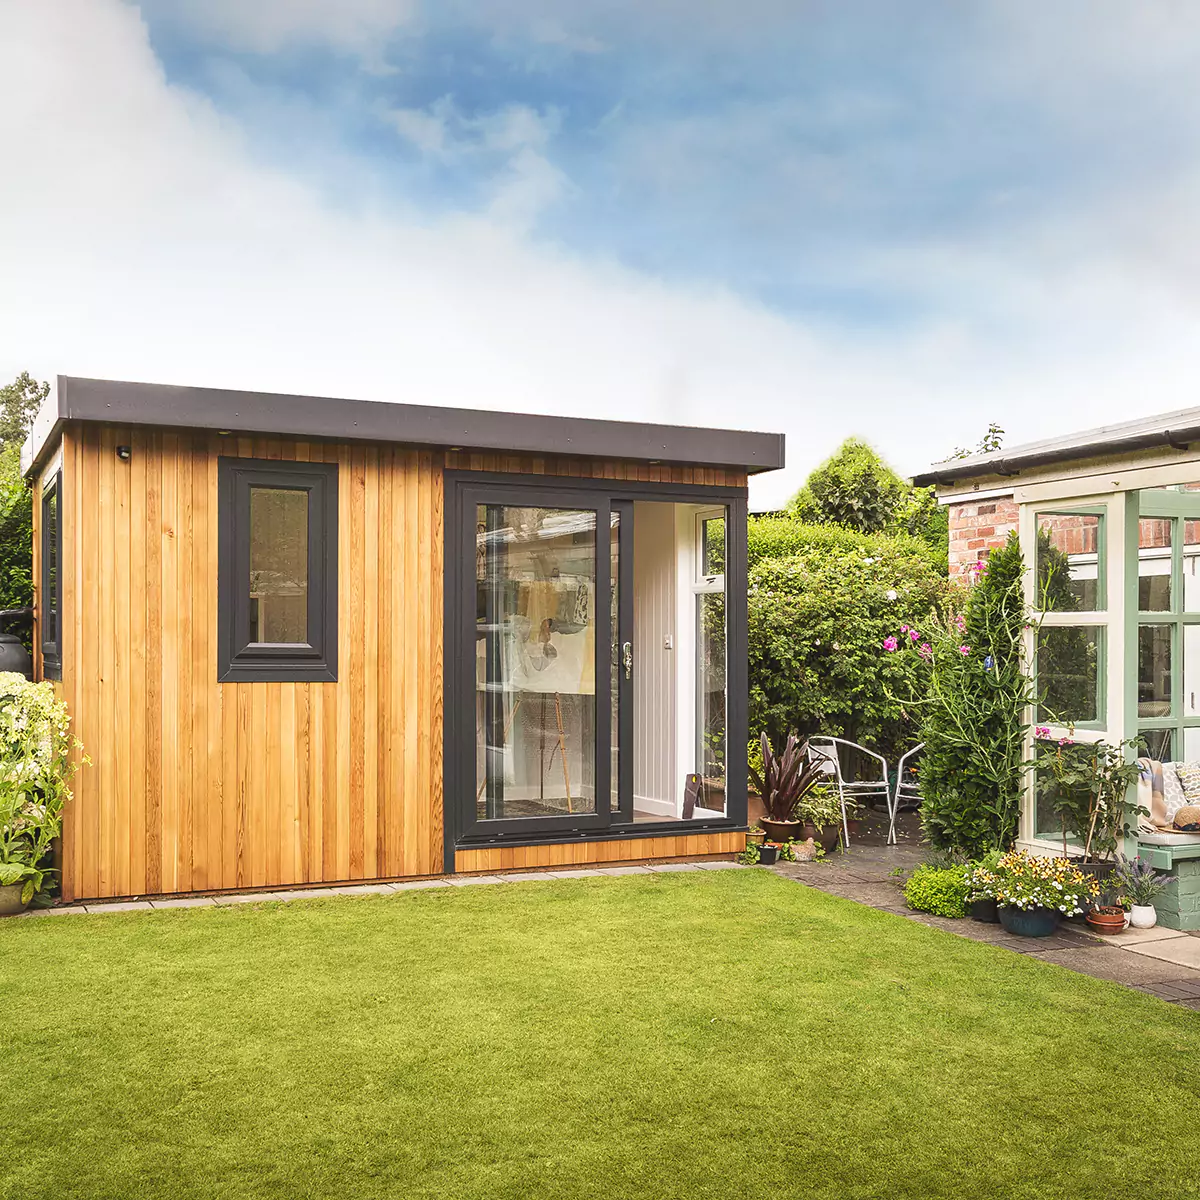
{"x": 1032, "y": 922}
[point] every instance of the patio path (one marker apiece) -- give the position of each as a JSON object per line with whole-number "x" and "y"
{"x": 1163, "y": 962}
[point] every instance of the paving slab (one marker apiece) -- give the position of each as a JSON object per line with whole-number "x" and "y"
{"x": 877, "y": 895}
{"x": 185, "y": 902}
{"x": 64, "y": 910}
{"x": 665, "y": 868}
{"x": 719, "y": 866}
{"x": 1184, "y": 951}
{"x": 361, "y": 889}
{"x": 471, "y": 880}
{"x": 120, "y": 906}
{"x": 1109, "y": 962}
{"x": 416, "y": 885}
{"x": 582, "y": 873}
{"x": 1176, "y": 989}
{"x": 525, "y": 877}
{"x": 1133, "y": 937}
{"x": 625, "y": 871}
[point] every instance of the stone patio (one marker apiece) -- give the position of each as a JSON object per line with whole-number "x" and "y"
{"x": 1163, "y": 962}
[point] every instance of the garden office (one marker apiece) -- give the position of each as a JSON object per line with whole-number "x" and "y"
{"x": 1110, "y": 521}
{"x": 310, "y": 640}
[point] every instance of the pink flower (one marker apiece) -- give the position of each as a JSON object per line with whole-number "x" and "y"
{"x": 1041, "y": 731}
{"x": 890, "y": 643}
{"x": 912, "y": 633}
{"x": 960, "y": 623}
{"x": 903, "y": 628}
{"x": 964, "y": 650}
{"x": 1066, "y": 741}
{"x": 925, "y": 650}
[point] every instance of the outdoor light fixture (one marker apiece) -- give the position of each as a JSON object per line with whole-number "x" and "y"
{"x": 124, "y": 453}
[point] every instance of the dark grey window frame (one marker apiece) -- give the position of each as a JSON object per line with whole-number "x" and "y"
{"x": 239, "y": 660}
{"x": 459, "y": 831}
{"x": 51, "y": 647}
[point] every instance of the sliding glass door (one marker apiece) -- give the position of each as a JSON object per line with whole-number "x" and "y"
{"x": 588, "y": 673}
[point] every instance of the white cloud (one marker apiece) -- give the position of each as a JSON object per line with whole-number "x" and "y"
{"x": 148, "y": 243}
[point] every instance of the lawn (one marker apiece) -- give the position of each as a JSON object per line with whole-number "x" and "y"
{"x": 723, "y": 1034}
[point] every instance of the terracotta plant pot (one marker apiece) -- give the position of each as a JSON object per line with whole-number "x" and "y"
{"x": 10, "y": 900}
{"x": 1107, "y": 919}
{"x": 1034, "y": 922}
{"x": 826, "y": 838}
{"x": 782, "y": 831}
{"x": 984, "y": 909}
{"x": 1142, "y": 916}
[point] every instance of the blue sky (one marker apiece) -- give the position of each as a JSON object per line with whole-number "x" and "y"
{"x": 891, "y": 219}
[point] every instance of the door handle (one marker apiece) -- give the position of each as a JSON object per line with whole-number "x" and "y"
{"x": 627, "y": 658}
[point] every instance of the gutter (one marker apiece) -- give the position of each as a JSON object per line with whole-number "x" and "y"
{"x": 1010, "y": 465}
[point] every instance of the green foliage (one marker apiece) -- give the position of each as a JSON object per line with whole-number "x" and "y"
{"x": 821, "y": 807}
{"x": 988, "y": 444}
{"x": 973, "y": 705}
{"x": 1086, "y": 785}
{"x": 1028, "y": 881}
{"x": 821, "y": 601}
{"x": 857, "y": 491}
{"x": 35, "y": 774}
{"x": 16, "y": 532}
{"x": 854, "y": 488}
{"x": 1138, "y": 882}
{"x": 938, "y": 890}
{"x": 19, "y": 402}
{"x": 785, "y": 777}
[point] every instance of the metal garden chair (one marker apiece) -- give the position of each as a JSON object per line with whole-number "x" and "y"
{"x": 906, "y": 791}
{"x": 837, "y": 750}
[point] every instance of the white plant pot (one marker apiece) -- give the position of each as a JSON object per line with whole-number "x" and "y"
{"x": 1142, "y": 916}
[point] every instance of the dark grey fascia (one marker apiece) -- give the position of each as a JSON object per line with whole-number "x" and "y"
{"x": 336, "y": 419}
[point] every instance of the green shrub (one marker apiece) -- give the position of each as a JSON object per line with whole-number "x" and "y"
{"x": 938, "y": 890}
{"x": 16, "y": 532}
{"x": 818, "y": 615}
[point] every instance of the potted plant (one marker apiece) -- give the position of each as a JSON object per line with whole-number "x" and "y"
{"x": 820, "y": 815}
{"x": 1140, "y": 885}
{"x": 1034, "y": 894}
{"x": 784, "y": 781}
{"x": 1087, "y": 784}
{"x": 1106, "y": 918}
{"x": 982, "y": 881}
{"x": 35, "y": 757}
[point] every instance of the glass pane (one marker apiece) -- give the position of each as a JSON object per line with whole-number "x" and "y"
{"x": 50, "y": 550}
{"x": 1068, "y": 562}
{"x": 1191, "y": 566}
{"x": 1154, "y": 564}
{"x": 1191, "y": 744}
{"x": 535, "y": 713}
{"x": 1158, "y": 743}
{"x": 1067, "y": 675}
{"x": 710, "y": 678}
{"x": 1191, "y": 670}
{"x": 278, "y": 565}
{"x": 714, "y": 546}
{"x": 614, "y": 625}
{"x": 1154, "y": 671}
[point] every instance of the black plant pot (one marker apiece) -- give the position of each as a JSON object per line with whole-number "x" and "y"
{"x": 768, "y": 856}
{"x": 984, "y": 909}
{"x": 1101, "y": 871}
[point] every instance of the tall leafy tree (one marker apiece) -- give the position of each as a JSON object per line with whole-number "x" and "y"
{"x": 19, "y": 402}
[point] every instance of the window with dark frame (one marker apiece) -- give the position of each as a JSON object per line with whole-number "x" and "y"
{"x": 277, "y": 571}
{"x": 51, "y": 581}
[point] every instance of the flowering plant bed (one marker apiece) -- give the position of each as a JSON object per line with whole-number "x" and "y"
{"x": 1026, "y": 882}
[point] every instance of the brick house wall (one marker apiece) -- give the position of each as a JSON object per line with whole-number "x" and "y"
{"x": 976, "y": 527}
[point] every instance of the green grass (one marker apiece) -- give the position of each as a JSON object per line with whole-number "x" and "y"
{"x": 723, "y": 1034}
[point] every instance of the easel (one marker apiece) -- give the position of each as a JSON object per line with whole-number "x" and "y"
{"x": 562, "y": 746}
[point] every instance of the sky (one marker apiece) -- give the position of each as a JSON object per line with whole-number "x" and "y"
{"x": 894, "y": 220}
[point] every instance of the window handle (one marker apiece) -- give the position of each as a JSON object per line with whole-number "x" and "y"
{"x": 627, "y": 658}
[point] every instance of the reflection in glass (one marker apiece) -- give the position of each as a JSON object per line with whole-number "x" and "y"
{"x": 279, "y": 565}
{"x": 1154, "y": 564}
{"x": 1067, "y": 673}
{"x": 1191, "y": 670}
{"x": 614, "y": 625}
{"x": 1158, "y": 743}
{"x": 1154, "y": 671}
{"x": 710, "y": 679}
{"x": 714, "y": 546}
{"x": 50, "y": 571}
{"x": 1191, "y": 744}
{"x": 535, "y": 715}
{"x": 1068, "y": 547}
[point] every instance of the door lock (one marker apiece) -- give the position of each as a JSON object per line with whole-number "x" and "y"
{"x": 627, "y": 657}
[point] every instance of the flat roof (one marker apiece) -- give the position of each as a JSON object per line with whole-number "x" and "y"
{"x": 1178, "y": 429}
{"x": 337, "y": 419}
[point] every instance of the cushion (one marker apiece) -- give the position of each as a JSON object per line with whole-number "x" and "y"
{"x": 1175, "y": 791}
{"x": 1188, "y": 818}
{"x": 1189, "y": 778}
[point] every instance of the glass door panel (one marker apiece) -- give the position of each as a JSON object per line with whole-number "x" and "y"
{"x": 537, "y": 579}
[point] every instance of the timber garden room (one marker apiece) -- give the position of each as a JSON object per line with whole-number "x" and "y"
{"x": 309, "y": 641}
